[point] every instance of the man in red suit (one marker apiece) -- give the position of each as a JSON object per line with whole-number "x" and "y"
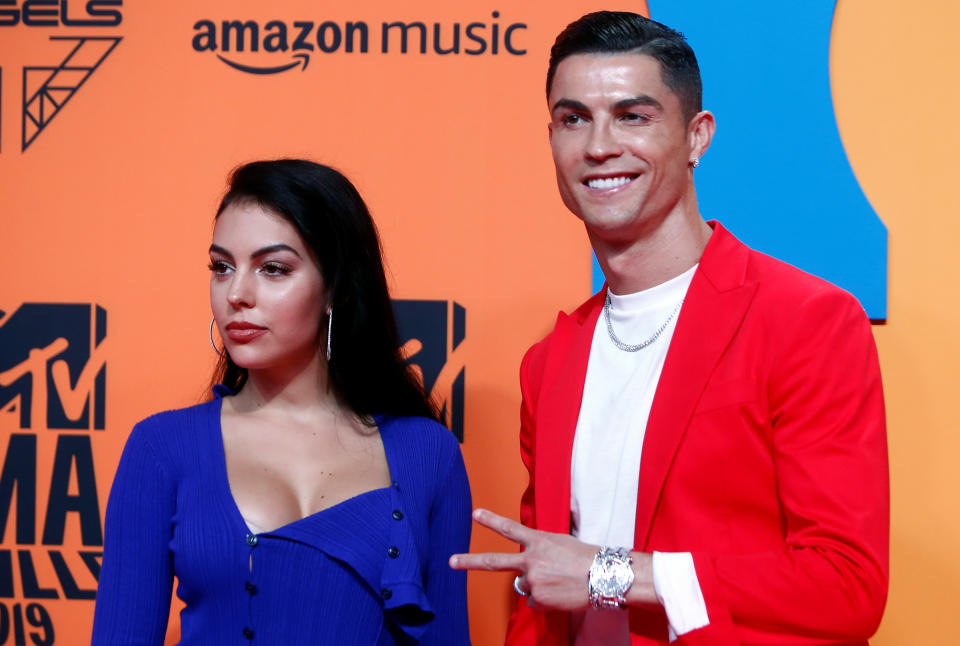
{"x": 705, "y": 437}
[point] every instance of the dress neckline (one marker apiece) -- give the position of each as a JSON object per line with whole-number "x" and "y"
{"x": 223, "y": 478}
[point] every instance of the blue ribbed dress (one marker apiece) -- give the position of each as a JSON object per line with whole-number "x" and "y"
{"x": 370, "y": 570}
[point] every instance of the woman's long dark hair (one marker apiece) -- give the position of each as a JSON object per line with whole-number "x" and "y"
{"x": 366, "y": 371}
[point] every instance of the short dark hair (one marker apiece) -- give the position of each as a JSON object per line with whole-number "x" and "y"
{"x": 610, "y": 32}
{"x": 366, "y": 371}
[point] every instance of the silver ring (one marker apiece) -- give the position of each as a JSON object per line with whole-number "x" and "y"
{"x": 516, "y": 586}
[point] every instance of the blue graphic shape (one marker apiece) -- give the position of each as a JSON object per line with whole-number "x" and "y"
{"x": 776, "y": 174}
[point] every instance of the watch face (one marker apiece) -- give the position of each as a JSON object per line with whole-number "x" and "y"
{"x": 608, "y": 587}
{"x": 615, "y": 577}
{"x": 610, "y": 578}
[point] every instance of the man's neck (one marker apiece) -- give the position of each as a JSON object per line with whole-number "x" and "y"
{"x": 668, "y": 250}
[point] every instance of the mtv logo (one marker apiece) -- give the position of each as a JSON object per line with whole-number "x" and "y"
{"x": 52, "y": 365}
{"x": 430, "y": 333}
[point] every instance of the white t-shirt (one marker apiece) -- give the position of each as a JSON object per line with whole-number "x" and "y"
{"x": 605, "y": 470}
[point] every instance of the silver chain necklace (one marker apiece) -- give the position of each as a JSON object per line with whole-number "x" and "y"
{"x": 640, "y": 346}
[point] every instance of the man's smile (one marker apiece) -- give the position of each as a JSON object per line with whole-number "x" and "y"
{"x": 604, "y": 183}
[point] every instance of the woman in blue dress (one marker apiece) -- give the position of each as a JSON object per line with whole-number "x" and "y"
{"x": 314, "y": 499}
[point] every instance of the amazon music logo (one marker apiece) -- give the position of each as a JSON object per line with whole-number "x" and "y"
{"x": 431, "y": 338}
{"x": 78, "y": 49}
{"x": 277, "y": 46}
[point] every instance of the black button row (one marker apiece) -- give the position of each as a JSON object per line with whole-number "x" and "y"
{"x": 248, "y": 632}
{"x": 397, "y": 514}
{"x": 386, "y": 593}
{"x": 250, "y": 588}
{"x": 252, "y": 540}
{"x": 393, "y": 552}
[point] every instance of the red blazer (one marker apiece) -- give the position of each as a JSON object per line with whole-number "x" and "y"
{"x": 765, "y": 456}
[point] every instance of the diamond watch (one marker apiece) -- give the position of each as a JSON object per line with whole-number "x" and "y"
{"x": 611, "y": 575}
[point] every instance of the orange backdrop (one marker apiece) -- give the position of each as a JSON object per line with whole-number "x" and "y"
{"x": 111, "y": 202}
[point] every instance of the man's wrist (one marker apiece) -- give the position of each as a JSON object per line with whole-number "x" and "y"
{"x": 642, "y": 592}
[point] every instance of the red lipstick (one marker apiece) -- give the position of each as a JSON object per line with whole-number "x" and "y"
{"x": 243, "y": 331}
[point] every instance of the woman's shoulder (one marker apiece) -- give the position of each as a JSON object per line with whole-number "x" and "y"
{"x": 418, "y": 440}
{"x": 175, "y": 432}
{"x": 410, "y": 429}
{"x": 188, "y": 417}
{"x": 176, "y": 419}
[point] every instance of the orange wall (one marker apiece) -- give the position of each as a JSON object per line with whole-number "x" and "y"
{"x": 112, "y": 204}
{"x": 893, "y": 69}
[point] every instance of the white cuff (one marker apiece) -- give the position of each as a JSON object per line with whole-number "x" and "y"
{"x": 675, "y": 582}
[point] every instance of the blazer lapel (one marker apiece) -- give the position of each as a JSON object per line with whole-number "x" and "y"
{"x": 715, "y": 305}
{"x": 557, "y": 411}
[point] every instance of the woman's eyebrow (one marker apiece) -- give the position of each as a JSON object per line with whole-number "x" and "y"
{"x": 274, "y": 247}
{"x": 220, "y": 250}
{"x": 259, "y": 252}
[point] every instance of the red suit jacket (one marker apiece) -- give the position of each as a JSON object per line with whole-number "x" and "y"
{"x": 765, "y": 456}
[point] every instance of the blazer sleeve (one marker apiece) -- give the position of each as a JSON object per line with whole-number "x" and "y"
{"x": 829, "y": 451}
{"x": 136, "y": 579}
{"x": 521, "y": 628}
{"x": 450, "y": 526}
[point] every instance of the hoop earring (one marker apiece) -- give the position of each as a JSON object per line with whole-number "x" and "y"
{"x": 329, "y": 331}
{"x": 213, "y": 320}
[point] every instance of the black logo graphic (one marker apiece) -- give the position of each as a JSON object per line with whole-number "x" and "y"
{"x": 47, "y": 89}
{"x": 289, "y": 45}
{"x": 304, "y": 58}
{"x": 52, "y": 366}
{"x": 52, "y": 376}
{"x": 430, "y": 333}
{"x": 57, "y": 85}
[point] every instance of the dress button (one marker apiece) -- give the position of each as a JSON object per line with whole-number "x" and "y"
{"x": 252, "y": 540}
{"x": 397, "y": 514}
{"x": 248, "y": 632}
{"x": 386, "y": 593}
{"x": 251, "y": 588}
{"x": 393, "y": 552}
